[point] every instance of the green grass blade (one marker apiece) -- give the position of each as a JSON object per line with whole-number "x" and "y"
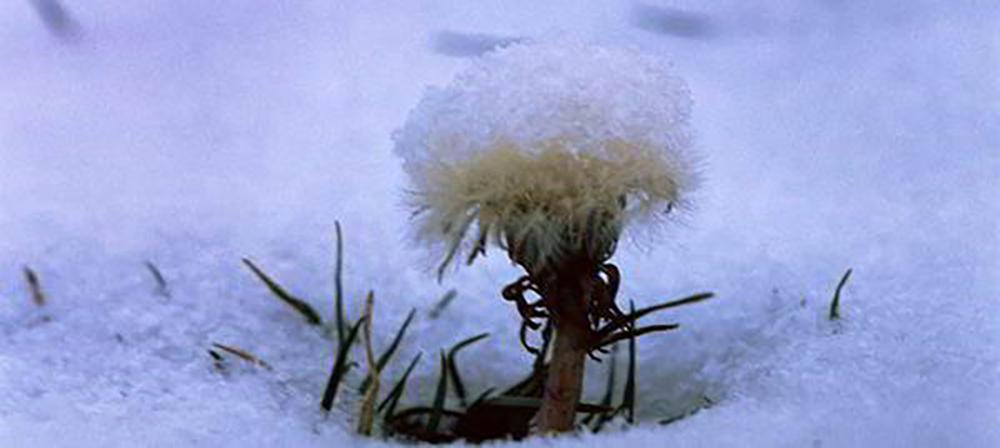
{"x": 386, "y": 356}
{"x": 453, "y": 367}
{"x": 390, "y": 402}
{"x": 609, "y": 391}
{"x": 339, "y": 367}
{"x": 482, "y": 397}
{"x": 439, "y": 397}
{"x": 297, "y": 304}
{"x": 455, "y": 245}
{"x": 634, "y": 333}
{"x": 835, "y": 304}
{"x": 633, "y": 316}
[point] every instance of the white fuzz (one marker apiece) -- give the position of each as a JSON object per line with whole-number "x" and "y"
{"x": 547, "y": 149}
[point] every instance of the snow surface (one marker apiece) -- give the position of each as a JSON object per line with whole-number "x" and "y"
{"x": 532, "y": 93}
{"x": 836, "y": 135}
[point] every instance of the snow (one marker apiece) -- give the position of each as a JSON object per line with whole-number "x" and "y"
{"x": 836, "y": 135}
{"x": 534, "y": 92}
{"x": 565, "y": 132}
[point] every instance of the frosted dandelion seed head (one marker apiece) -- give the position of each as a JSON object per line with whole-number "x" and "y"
{"x": 548, "y": 150}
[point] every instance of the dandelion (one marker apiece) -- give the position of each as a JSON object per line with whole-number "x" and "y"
{"x": 551, "y": 152}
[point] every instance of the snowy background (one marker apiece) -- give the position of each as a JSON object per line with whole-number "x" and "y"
{"x": 189, "y": 133}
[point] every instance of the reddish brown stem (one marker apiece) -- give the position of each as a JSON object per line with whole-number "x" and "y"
{"x": 567, "y": 295}
{"x": 564, "y": 383}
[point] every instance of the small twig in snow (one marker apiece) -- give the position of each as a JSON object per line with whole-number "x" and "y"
{"x": 162, "y": 288}
{"x": 35, "y": 286}
{"x": 240, "y": 353}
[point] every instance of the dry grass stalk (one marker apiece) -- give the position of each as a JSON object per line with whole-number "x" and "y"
{"x": 242, "y": 354}
{"x": 366, "y": 419}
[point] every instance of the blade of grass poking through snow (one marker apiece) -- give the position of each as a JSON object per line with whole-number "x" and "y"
{"x": 217, "y": 359}
{"x": 439, "y": 397}
{"x": 455, "y": 244}
{"x": 338, "y": 282}
{"x": 453, "y": 367}
{"x": 629, "y": 334}
{"x": 366, "y": 419}
{"x": 298, "y": 304}
{"x": 628, "y": 398}
{"x": 835, "y": 304}
{"x": 442, "y": 304}
{"x": 339, "y": 367}
{"x": 631, "y": 317}
{"x": 386, "y": 356}
{"x": 390, "y": 402}
{"x": 482, "y": 397}
{"x": 35, "y": 286}
{"x": 161, "y": 283}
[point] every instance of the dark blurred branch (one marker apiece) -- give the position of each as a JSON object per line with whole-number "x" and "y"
{"x": 674, "y": 22}
{"x": 57, "y": 19}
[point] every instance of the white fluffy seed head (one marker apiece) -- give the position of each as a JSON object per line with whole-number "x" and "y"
{"x": 549, "y": 150}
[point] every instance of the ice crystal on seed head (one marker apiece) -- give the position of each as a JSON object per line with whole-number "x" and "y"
{"x": 548, "y": 150}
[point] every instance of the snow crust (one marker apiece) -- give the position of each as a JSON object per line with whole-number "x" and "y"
{"x": 530, "y": 94}
{"x": 836, "y": 135}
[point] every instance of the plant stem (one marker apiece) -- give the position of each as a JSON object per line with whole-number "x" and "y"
{"x": 567, "y": 298}
{"x": 564, "y": 383}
